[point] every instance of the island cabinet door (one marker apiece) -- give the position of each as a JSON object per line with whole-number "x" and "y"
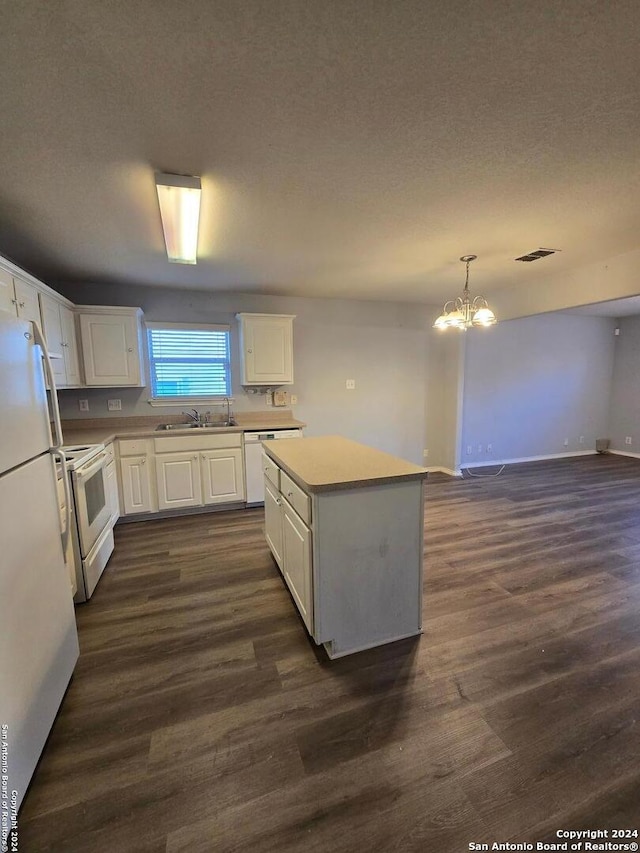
{"x": 178, "y": 476}
{"x": 273, "y": 521}
{"x": 297, "y": 563}
{"x": 222, "y": 476}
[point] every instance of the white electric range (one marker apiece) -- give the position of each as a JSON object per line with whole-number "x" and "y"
{"x": 92, "y": 524}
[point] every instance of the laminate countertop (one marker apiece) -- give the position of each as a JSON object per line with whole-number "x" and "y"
{"x": 103, "y": 431}
{"x": 332, "y": 462}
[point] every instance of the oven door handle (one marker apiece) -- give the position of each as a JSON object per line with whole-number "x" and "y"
{"x": 86, "y": 472}
{"x": 67, "y": 500}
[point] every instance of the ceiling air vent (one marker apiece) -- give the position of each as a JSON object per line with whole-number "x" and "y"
{"x": 539, "y": 253}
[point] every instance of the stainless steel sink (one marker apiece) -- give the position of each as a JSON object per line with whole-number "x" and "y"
{"x": 193, "y": 425}
{"x": 177, "y": 426}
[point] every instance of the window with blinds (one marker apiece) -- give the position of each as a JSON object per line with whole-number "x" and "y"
{"x": 189, "y": 361}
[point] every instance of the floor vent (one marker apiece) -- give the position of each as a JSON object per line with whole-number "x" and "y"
{"x": 539, "y": 253}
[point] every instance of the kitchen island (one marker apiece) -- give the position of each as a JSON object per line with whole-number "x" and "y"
{"x": 344, "y": 523}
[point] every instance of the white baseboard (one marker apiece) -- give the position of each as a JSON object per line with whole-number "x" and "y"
{"x": 624, "y": 453}
{"x": 517, "y": 460}
{"x": 493, "y": 463}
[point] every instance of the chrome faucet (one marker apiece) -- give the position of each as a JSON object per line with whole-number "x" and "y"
{"x": 228, "y": 402}
{"x": 194, "y": 415}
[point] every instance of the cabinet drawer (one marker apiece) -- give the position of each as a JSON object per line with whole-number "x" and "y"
{"x": 298, "y": 499}
{"x": 176, "y": 444}
{"x": 271, "y": 470}
{"x": 133, "y": 447}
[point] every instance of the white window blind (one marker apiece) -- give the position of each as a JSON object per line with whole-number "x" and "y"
{"x": 189, "y": 361}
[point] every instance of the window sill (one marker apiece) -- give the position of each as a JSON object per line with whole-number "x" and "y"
{"x": 189, "y": 402}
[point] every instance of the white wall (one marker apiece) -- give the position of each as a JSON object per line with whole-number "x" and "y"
{"x": 383, "y": 346}
{"x": 624, "y": 417}
{"x": 445, "y": 395}
{"x": 533, "y": 382}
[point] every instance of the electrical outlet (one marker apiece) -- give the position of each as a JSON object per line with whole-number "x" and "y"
{"x": 83, "y": 405}
{"x": 469, "y": 450}
{"x": 479, "y": 448}
{"x": 268, "y": 398}
{"x": 114, "y": 405}
{"x": 351, "y": 384}
{"x": 566, "y": 442}
{"x": 425, "y": 454}
{"x": 627, "y": 439}
{"x": 581, "y": 439}
{"x": 489, "y": 448}
{"x": 294, "y": 399}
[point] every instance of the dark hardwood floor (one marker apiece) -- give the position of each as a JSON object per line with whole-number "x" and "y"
{"x": 202, "y": 718}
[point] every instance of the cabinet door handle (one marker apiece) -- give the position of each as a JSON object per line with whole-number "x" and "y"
{"x": 249, "y": 350}
{"x": 144, "y": 461}
{"x": 14, "y": 301}
{"x": 289, "y": 494}
{"x": 129, "y": 349}
{"x": 278, "y": 501}
{"x": 21, "y": 304}
{"x": 196, "y": 456}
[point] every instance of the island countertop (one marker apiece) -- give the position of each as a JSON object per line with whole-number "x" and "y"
{"x": 333, "y": 462}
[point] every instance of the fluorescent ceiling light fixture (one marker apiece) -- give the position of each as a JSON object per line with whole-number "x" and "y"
{"x": 463, "y": 312}
{"x": 179, "y": 198}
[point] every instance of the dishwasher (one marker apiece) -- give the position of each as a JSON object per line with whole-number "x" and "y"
{"x": 253, "y": 460}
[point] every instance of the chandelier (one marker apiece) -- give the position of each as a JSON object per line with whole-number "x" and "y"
{"x": 464, "y": 312}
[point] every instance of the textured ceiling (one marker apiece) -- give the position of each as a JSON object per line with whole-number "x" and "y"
{"x": 351, "y": 148}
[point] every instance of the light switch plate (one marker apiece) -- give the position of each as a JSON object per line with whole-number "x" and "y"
{"x": 83, "y": 405}
{"x": 351, "y": 384}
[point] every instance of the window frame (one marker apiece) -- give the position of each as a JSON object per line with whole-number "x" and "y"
{"x": 184, "y": 399}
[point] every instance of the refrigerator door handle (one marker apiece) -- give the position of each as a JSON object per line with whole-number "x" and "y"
{"x": 40, "y": 341}
{"x": 59, "y": 454}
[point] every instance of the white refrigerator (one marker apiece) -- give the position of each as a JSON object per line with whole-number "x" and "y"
{"x": 38, "y": 638}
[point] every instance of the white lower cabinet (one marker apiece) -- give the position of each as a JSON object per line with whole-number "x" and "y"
{"x": 183, "y": 472}
{"x": 222, "y": 476}
{"x": 199, "y": 470}
{"x": 178, "y": 480}
{"x": 297, "y": 562}
{"x": 351, "y": 557}
{"x": 289, "y": 539}
{"x": 273, "y": 521}
{"x": 136, "y": 470}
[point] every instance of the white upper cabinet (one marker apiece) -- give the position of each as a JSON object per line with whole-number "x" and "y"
{"x": 27, "y": 301}
{"x": 266, "y": 348}
{"x": 18, "y": 298}
{"x": 7, "y": 293}
{"x": 39, "y": 304}
{"x": 70, "y": 346}
{"x": 111, "y": 346}
{"x": 58, "y": 325}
